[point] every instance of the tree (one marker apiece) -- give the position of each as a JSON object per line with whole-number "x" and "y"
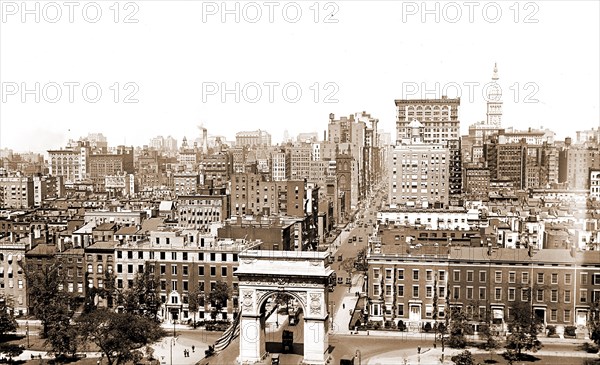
{"x": 463, "y": 358}
{"x": 594, "y": 323}
{"x": 48, "y": 302}
{"x": 283, "y": 298}
{"x": 459, "y": 327}
{"x": 141, "y": 298}
{"x": 7, "y": 319}
{"x": 490, "y": 343}
{"x": 11, "y": 350}
{"x": 119, "y": 335}
{"x": 523, "y": 329}
{"x": 348, "y": 266}
{"x": 193, "y": 303}
{"x": 361, "y": 259}
{"x": 218, "y": 297}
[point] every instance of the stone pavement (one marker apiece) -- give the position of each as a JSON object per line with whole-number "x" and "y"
{"x": 170, "y": 350}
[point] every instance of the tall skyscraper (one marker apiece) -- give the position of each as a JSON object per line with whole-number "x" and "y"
{"x": 494, "y": 101}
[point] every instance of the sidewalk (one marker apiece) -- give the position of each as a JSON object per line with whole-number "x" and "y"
{"x": 344, "y": 312}
{"x": 433, "y": 356}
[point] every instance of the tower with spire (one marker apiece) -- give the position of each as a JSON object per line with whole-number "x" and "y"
{"x": 494, "y": 101}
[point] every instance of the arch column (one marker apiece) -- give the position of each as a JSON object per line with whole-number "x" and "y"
{"x": 316, "y": 328}
{"x": 252, "y": 337}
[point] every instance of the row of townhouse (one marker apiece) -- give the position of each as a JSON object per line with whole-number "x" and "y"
{"x": 560, "y": 284}
{"x": 184, "y": 263}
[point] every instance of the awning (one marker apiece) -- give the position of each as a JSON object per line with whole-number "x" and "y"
{"x": 10, "y": 270}
{"x": 498, "y": 313}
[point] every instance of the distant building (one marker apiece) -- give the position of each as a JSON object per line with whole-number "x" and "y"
{"x": 439, "y": 119}
{"x": 418, "y": 171}
{"x": 254, "y": 138}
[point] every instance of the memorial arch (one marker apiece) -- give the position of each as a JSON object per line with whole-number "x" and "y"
{"x": 304, "y": 276}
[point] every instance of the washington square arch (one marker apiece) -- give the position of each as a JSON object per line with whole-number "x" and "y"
{"x": 302, "y": 275}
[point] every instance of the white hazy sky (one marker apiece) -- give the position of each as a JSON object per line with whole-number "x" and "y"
{"x": 371, "y": 56}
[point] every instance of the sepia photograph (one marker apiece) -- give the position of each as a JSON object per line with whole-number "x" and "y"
{"x": 310, "y": 182}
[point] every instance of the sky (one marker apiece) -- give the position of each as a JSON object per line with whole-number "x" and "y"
{"x": 134, "y": 70}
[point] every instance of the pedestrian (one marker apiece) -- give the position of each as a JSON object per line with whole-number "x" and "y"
{"x": 193, "y": 348}
{"x": 343, "y": 305}
{"x": 419, "y": 350}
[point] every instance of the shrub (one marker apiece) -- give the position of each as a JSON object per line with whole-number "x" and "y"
{"x": 376, "y": 325}
{"x": 463, "y": 358}
{"x": 427, "y": 327}
{"x": 401, "y": 326}
{"x": 590, "y": 348}
{"x": 570, "y": 331}
{"x": 551, "y": 330}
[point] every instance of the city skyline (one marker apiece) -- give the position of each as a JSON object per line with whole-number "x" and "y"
{"x": 359, "y": 66}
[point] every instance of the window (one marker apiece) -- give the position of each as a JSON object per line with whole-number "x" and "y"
{"x": 376, "y": 273}
{"x": 482, "y": 276}
{"x": 173, "y": 284}
{"x": 184, "y": 270}
{"x": 119, "y": 268}
{"x": 524, "y": 295}
{"x": 554, "y": 295}
{"x": 173, "y": 255}
{"x": 568, "y": 279}
{"x": 163, "y": 269}
{"x": 567, "y": 298}
{"x": 376, "y": 290}
{"x": 596, "y": 279}
{"x": 141, "y": 255}
{"x": 456, "y": 292}
{"x": 400, "y": 290}
{"x": 540, "y": 295}
{"x": 200, "y": 270}
{"x": 415, "y": 274}
{"x": 185, "y": 256}
{"x": 200, "y": 256}
{"x": 554, "y": 278}
{"x": 456, "y": 275}
{"x": 553, "y": 315}
{"x": 498, "y": 276}
{"x": 584, "y": 278}
{"x": 401, "y": 310}
{"x": 429, "y": 275}
{"x": 213, "y": 271}
{"x": 130, "y": 269}
{"x": 400, "y": 274}
{"x": 470, "y": 276}
{"x": 428, "y": 292}
{"x": 163, "y": 255}
{"x": 224, "y": 271}
{"x": 512, "y": 277}
{"x": 498, "y": 294}
{"x": 388, "y": 273}
{"x": 388, "y": 290}
{"x": 442, "y": 275}
{"x": 185, "y": 285}
{"x": 173, "y": 269}
{"x": 524, "y": 278}
{"x": 469, "y": 292}
{"x": 90, "y": 269}
{"x": 99, "y": 269}
{"x": 540, "y": 278}
{"x": 511, "y": 294}
{"x": 567, "y": 315}
{"x": 415, "y": 291}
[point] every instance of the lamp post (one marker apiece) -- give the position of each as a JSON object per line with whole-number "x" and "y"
{"x": 27, "y": 332}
